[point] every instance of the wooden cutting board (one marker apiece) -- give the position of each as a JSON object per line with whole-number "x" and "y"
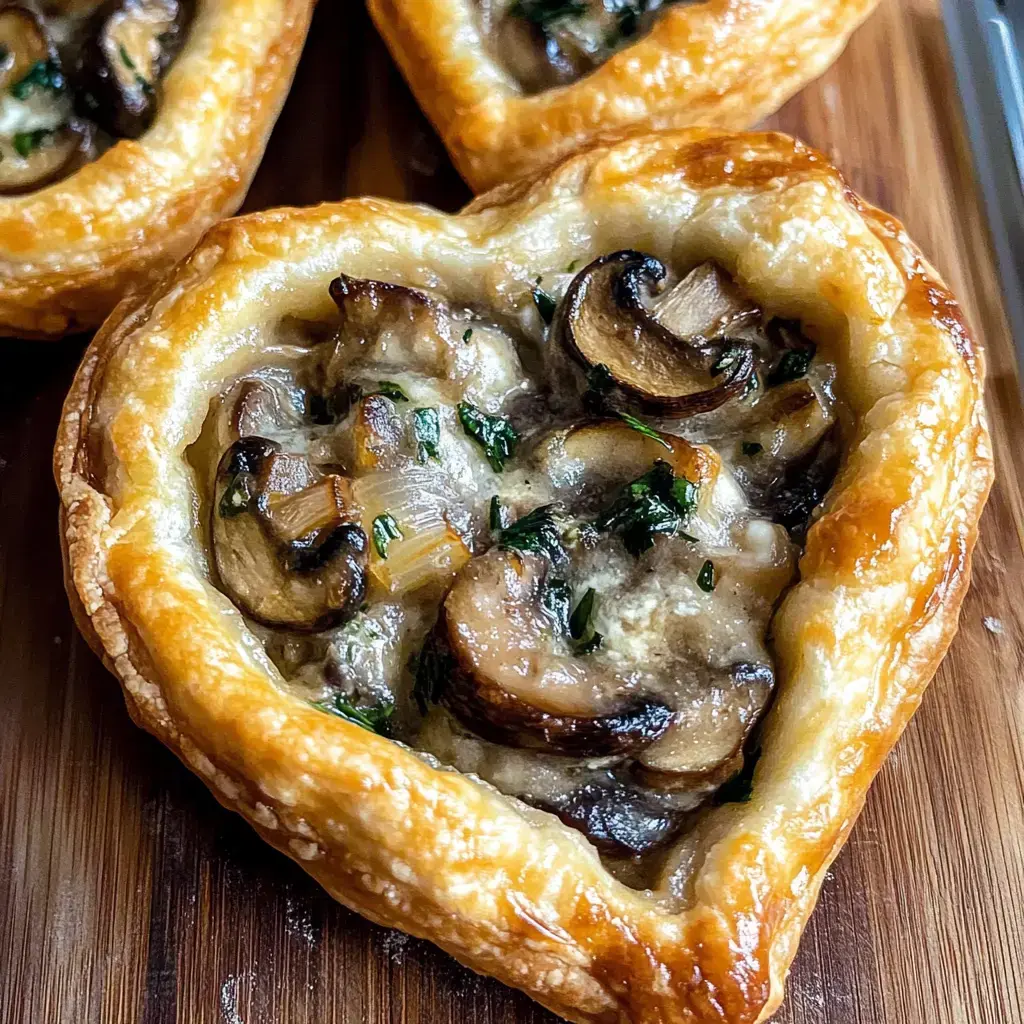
{"x": 128, "y": 895}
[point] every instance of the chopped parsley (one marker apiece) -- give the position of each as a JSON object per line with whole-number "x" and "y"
{"x": 44, "y": 74}
{"x": 572, "y": 267}
{"x": 236, "y": 497}
{"x": 467, "y": 334}
{"x": 599, "y": 383}
{"x": 495, "y": 434}
{"x": 433, "y": 669}
{"x": 657, "y": 502}
{"x": 385, "y": 529}
{"x": 498, "y": 515}
{"x": 376, "y": 719}
{"x": 792, "y": 366}
{"x": 140, "y": 81}
{"x": 389, "y": 389}
{"x": 574, "y": 624}
{"x": 706, "y": 576}
{"x": 752, "y": 448}
{"x": 545, "y": 12}
{"x": 556, "y": 600}
{"x": 641, "y": 428}
{"x": 26, "y": 143}
{"x": 728, "y": 358}
{"x": 545, "y": 304}
{"x": 426, "y": 428}
{"x": 537, "y": 532}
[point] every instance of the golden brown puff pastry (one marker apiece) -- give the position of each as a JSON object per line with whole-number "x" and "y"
{"x": 504, "y": 888}
{"x": 726, "y": 63}
{"x": 69, "y": 251}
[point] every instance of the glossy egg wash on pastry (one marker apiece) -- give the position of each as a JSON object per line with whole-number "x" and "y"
{"x": 545, "y": 43}
{"x": 546, "y": 551}
{"x": 76, "y": 76}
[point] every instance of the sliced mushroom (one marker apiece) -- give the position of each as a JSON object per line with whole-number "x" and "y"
{"x": 285, "y": 539}
{"x": 704, "y": 745}
{"x": 603, "y": 801}
{"x": 118, "y": 72}
{"x": 514, "y": 680}
{"x": 587, "y": 462}
{"x": 621, "y": 818}
{"x": 389, "y": 324}
{"x": 604, "y": 323}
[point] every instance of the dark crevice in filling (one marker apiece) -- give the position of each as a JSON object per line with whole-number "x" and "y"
{"x": 547, "y": 43}
{"x": 561, "y": 581}
{"x": 77, "y": 75}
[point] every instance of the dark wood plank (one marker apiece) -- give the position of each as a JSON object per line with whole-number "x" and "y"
{"x": 128, "y": 895}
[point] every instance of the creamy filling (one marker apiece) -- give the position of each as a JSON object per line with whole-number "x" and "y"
{"x": 568, "y": 600}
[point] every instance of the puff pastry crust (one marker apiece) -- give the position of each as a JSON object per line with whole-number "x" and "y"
{"x": 69, "y": 252}
{"x": 726, "y": 63}
{"x": 505, "y": 889}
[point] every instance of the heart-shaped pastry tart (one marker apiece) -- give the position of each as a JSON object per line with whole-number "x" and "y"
{"x": 549, "y": 580}
{"x": 127, "y": 128}
{"x": 514, "y": 85}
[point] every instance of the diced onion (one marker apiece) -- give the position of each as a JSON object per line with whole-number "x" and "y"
{"x": 420, "y": 559}
{"x": 427, "y": 512}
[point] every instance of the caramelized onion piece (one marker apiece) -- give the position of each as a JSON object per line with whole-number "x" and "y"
{"x": 285, "y": 539}
{"x": 512, "y": 680}
{"x": 604, "y": 322}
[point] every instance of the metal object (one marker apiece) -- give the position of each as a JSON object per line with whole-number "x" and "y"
{"x": 986, "y": 38}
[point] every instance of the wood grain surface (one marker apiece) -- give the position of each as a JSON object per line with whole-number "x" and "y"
{"x": 128, "y": 895}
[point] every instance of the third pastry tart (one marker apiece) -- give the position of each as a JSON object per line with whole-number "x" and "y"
{"x": 127, "y": 127}
{"x": 549, "y": 580}
{"x": 512, "y": 85}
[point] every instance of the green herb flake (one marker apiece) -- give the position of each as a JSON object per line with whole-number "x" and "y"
{"x": 556, "y": 600}
{"x": 44, "y": 74}
{"x": 433, "y": 669}
{"x": 572, "y": 267}
{"x": 656, "y": 503}
{"x": 495, "y": 434}
{"x": 545, "y": 304}
{"x": 752, "y": 448}
{"x": 26, "y": 143}
{"x": 642, "y": 428}
{"x": 706, "y": 577}
{"x": 498, "y": 515}
{"x": 389, "y": 389}
{"x": 792, "y": 366}
{"x": 467, "y": 334}
{"x": 125, "y": 59}
{"x": 728, "y": 358}
{"x": 546, "y": 12}
{"x": 535, "y": 533}
{"x": 374, "y": 719}
{"x": 426, "y": 429}
{"x": 236, "y": 497}
{"x": 385, "y": 529}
